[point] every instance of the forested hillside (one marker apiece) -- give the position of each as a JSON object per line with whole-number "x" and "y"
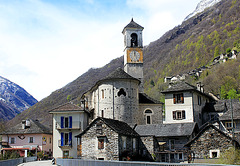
{"x": 193, "y": 44}
{"x": 196, "y": 43}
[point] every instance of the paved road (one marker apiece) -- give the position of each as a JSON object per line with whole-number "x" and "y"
{"x": 38, "y": 163}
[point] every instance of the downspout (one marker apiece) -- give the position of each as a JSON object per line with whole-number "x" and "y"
{"x": 98, "y": 101}
{"x": 193, "y": 107}
{"x": 113, "y": 99}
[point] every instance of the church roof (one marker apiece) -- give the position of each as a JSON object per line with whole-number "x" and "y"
{"x": 116, "y": 125}
{"x": 119, "y": 73}
{"x": 166, "y": 130}
{"x": 66, "y": 107}
{"x": 132, "y": 25}
{"x": 145, "y": 99}
{"x": 35, "y": 128}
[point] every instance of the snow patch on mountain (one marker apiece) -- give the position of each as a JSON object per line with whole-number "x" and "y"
{"x": 202, "y": 5}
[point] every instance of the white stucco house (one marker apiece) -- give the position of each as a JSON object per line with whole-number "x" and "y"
{"x": 68, "y": 121}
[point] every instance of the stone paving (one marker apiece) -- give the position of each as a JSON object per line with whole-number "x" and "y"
{"x": 37, "y": 163}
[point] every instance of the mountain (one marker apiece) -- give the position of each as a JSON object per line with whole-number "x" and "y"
{"x": 13, "y": 99}
{"x": 194, "y": 43}
{"x": 202, "y": 5}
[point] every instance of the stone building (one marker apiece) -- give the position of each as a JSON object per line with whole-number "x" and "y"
{"x": 210, "y": 142}
{"x": 108, "y": 139}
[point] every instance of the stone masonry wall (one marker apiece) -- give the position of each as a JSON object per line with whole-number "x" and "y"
{"x": 90, "y": 144}
{"x": 211, "y": 139}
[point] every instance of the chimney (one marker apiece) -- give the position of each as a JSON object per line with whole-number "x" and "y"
{"x": 200, "y": 87}
{"x": 23, "y": 124}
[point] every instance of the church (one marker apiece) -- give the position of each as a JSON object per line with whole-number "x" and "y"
{"x": 116, "y": 120}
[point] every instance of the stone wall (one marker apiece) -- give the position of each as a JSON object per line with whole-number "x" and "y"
{"x": 90, "y": 144}
{"x": 210, "y": 140}
{"x": 156, "y": 115}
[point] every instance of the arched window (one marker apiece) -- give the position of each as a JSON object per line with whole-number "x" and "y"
{"x": 148, "y": 114}
{"x": 121, "y": 92}
{"x": 134, "y": 40}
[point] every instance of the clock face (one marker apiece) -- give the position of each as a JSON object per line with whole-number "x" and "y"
{"x": 135, "y": 56}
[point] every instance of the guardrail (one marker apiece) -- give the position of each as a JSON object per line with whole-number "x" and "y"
{"x": 15, "y": 162}
{"x": 71, "y": 162}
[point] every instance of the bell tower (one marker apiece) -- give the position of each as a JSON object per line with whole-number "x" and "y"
{"x": 133, "y": 54}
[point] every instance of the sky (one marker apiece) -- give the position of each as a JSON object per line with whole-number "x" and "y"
{"x": 46, "y": 44}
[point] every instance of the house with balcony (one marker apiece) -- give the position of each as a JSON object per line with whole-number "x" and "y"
{"x": 28, "y": 136}
{"x": 68, "y": 121}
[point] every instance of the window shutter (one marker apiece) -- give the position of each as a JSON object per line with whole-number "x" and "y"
{"x": 70, "y": 122}
{"x": 62, "y": 122}
{"x": 70, "y": 138}
{"x": 183, "y": 115}
{"x": 174, "y": 115}
{"x": 14, "y": 139}
{"x": 62, "y": 139}
{"x": 9, "y": 140}
{"x": 182, "y": 98}
{"x": 33, "y": 139}
{"x": 28, "y": 139}
{"x": 174, "y": 98}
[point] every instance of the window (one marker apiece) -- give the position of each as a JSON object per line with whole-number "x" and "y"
{"x": 30, "y": 140}
{"x": 178, "y": 98}
{"x": 180, "y": 156}
{"x": 134, "y": 40}
{"x": 172, "y": 142}
{"x": 148, "y": 114}
{"x": 100, "y": 143}
{"x": 228, "y": 125}
{"x": 102, "y": 113}
{"x": 66, "y": 122}
{"x": 124, "y": 142}
{"x": 50, "y": 140}
{"x": 66, "y": 139}
{"x": 179, "y": 115}
{"x": 12, "y": 140}
{"x": 65, "y": 154}
{"x": 134, "y": 143}
{"x": 99, "y": 128}
{"x": 121, "y": 92}
{"x": 102, "y": 94}
{"x": 199, "y": 100}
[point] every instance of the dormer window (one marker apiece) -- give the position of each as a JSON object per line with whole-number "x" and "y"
{"x": 178, "y": 98}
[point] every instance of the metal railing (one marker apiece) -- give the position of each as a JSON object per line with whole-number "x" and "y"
{"x": 71, "y": 162}
{"x": 64, "y": 143}
{"x": 75, "y": 125}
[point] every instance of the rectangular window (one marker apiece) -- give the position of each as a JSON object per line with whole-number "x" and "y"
{"x": 66, "y": 139}
{"x": 172, "y": 142}
{"x": 179, "y": 115}
{"x": 178, "y": 98}
{"x": 134, "y": 143}
{"x": 66, "y": 122}
{"x": 124, "y": 142}
{"x": 99, "y": 129}
{"x": 102, "y": 94}
{"x": 100, "y": 143}
{"x": 228, "y": 125}
{"x": 12, "y": 140}
{"x": 148, "y": 119}
{"x": 180, "y": 156}
{"x": 30, "y": 139}
{"x": 199, "y": 100}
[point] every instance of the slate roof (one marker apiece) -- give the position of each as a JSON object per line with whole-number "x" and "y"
{"x": 119, "y": 73}
{"x": 206, "y": 127}
{"x": 236, "y": 110}
{"x": 66, "y": 107}
{"x": 118, "y": 126}
{"x": 166, "y": 130}
{"x": 180, "y": 86}
{"x": 218, "y": 106}
{"x": 145, "y": 99}
{"x": 132, "y": 25}
{"x": 35, "y": 128}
